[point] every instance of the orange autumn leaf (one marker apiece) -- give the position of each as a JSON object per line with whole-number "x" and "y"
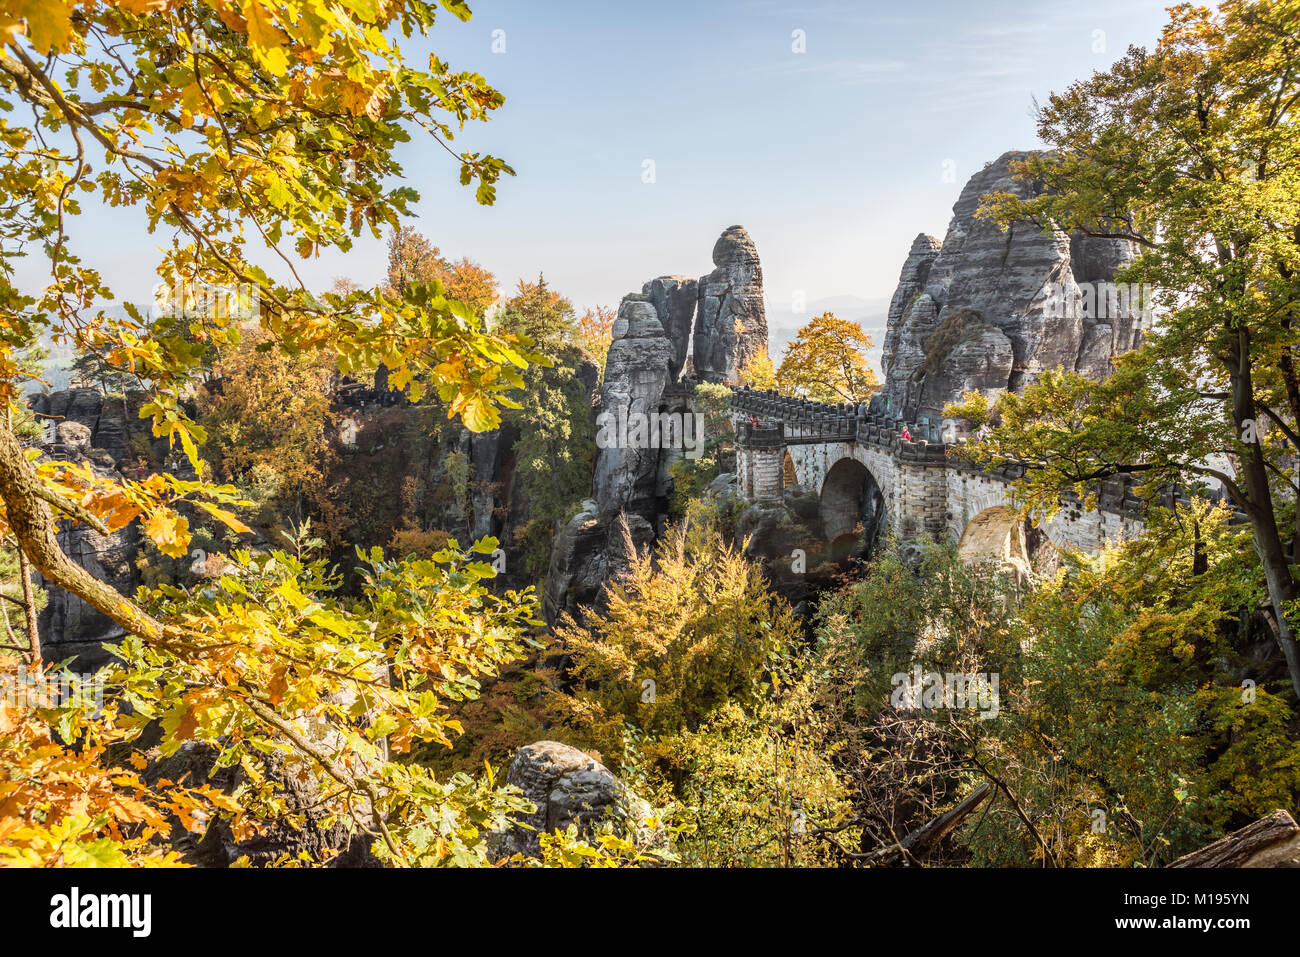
{"x": 112, "y": 506}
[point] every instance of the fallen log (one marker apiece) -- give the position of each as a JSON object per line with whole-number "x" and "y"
{"x": 1272, "y": 841}
{"x": 917, "y": 844}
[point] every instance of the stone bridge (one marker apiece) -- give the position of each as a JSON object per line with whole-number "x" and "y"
{"x": 865, "y": 474}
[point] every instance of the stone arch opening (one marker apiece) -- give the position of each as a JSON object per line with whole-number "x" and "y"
{"x": 996, "y": 536}
{"x": 852, "y": 510}
{"x": 789, "y": 476}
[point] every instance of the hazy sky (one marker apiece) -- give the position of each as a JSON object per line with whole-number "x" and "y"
{"x": 833, "y": 158}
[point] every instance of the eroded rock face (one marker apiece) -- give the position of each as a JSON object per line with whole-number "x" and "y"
{"x": 488, "y": 453}
{"x": 69, "y": 627}
{"x": 568, "y": 786}
{"x": 627, "y": 486}
{"x": 989, "y": 310}
{"x": 730, "y": 321}
{"x": 653, "y": 343}
{"x": 636, "y": 372}
{"x": 674, "y": 299}
{"x": 84, "y": 426}
{"x": 111, "y": 421}
{"x": 911, "y": 283}
{"x": 590, "y": 551}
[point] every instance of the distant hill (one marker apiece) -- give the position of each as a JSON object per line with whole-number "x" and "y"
{"x": 57, "y": 371}
{"x": 57, "y": 368}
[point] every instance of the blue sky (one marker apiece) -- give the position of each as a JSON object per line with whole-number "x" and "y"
{"x": 833, "y": 158}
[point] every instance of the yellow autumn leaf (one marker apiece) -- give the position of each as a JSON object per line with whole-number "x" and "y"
{"x": 10, "y": 29}
{"x": 49, "y": 22}
{"x": 479, "y": 414}
{"x": 170, "y": 531}
{"x": 141, "y": 6}
{"x": 290, "y": 593}
{"x": 187, "y": 443}
{"x": 265, "y": 39}
{"x": 223, "y": 516}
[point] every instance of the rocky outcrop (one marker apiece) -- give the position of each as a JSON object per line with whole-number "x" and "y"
{"x": 911, "y": 283}
{"x": 674, "y": 299}
{"x": 568, "y": 786}
{"x": 730, "y": 321}
{"x": 590, "y": 550}
{"x": 488, "y": 454}
{"x": 113, "y": 424}
{"x": 653, "y": 342}
{"x": 83, "y": 425}
{"x": 989, "y": 309}
{"x": 68, "y": 626}
{"x": 636, "y": 371}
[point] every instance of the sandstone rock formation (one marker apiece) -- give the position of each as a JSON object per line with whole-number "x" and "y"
{"x": 631, "y": 482}
{"x": 69, "y": 627}
{"x": 83, "y": 425}
{"x": 652, "y": 341}
{"x": 488, "y": 453}
{"x": 730, "y": 322}
{"x": 636, "y": 372}
{"x": 978, "y": 311}
{"x": 674, "y": 299}
{"x": 567, "y": 787}
{"x": 590, "y": 550}
{"x": 110, "y": 422}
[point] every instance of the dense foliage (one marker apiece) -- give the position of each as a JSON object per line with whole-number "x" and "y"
{"x": 221, "y": 122}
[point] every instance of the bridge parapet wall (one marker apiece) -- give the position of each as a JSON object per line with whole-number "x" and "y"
{"x": 808, "y": 420}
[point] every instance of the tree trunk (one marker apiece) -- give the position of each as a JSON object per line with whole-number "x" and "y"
{"x": 1259, "y": 505}
{"x": 29, "y": 611}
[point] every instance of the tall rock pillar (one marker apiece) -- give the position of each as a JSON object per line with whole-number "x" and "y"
{"x": 730, "y": 320}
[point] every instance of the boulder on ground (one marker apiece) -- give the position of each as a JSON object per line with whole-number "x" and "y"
{"x": 568, "y": 786}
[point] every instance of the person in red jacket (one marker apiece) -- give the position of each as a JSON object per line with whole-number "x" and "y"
{"x": 906, "y": 436}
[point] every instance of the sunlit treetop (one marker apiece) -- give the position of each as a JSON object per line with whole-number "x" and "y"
{"x": 827, "y": 362}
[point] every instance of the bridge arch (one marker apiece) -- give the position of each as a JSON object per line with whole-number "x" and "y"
{"x": 996, "y": 536}
{"x": 851, "y": 506}
{"x": 988, "y": 528}
{"x": 862, "y": 472}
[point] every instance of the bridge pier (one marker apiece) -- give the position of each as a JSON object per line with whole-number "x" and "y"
{"x": 760, "y": 463}
{"x": 922, "y": 492}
